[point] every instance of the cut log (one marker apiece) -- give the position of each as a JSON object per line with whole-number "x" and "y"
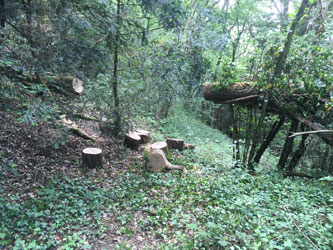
{"x": 92, "y": 158}
{"x": 160, "y": 145}
{"x": 145, "y": 135}
{"x": 157, "y": 162}
{"x": 75, "y": 129}
{"x": 175, "y": 144}
{"x": 132, "y": 140}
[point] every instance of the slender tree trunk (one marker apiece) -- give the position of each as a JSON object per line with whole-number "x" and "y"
{"x": 270, "y": 137}
{"x": 288, "y": 145}
{"x": 235, "y": 137}
{"x": 249, "y": 132}
{"x": 298, "y": 153}
{"x": 283, "y": 55}
{"x": 277, "y": 73}
{"x": 2, "y": 14}
{"x": 115, "y": 72}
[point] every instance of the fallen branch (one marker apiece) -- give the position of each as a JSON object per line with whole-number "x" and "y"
{"x": 299, "y": 230}
{"x": 297, "y": 174}
{"x": 310, "y": 132}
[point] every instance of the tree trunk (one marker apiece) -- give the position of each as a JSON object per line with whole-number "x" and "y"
{"x": 235, "y": 137}
{"x": 283, "y": 55}
{"x": 270, "y": 137}
{"x": 298, "y": 153}
{"x": 288, "y": 145}
{"x": 2, "y": 14}
{"x": 117, "y": 117}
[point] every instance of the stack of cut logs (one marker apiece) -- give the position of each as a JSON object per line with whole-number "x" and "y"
{"x": 157, "y": 152}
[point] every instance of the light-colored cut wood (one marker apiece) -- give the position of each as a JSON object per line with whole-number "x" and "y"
{"x": 92, "y": 157}
{"x": 157, "y": 162}
{"x": 145, "y": 135}
{"x": 160, "y": 145}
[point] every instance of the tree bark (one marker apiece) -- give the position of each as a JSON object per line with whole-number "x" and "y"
{"x": 287, "y": 145}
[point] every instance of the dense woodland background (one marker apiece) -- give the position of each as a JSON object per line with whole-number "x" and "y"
{"x": 268, "y": 72}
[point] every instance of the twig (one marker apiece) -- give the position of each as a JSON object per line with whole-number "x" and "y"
{"x": 310, "y": 132}
{"x": 299, "y": 230}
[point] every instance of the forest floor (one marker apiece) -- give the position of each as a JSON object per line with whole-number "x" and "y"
{"x": 48, "y": 202}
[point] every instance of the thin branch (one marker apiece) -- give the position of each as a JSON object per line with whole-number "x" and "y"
{"x": 241, "y": 99}
{"x": 299, "y": 230}
{"x": 310, "y": 132}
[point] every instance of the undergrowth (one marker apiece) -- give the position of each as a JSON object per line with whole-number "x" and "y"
{"x": 207, "y": 206}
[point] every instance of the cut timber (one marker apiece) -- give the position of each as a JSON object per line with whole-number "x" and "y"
{"x": 157, "y": 161}
{"x": 132, "y": 140}
{"x": 92, "y": 157}
{"x": 145, "y": 135}
{"x": 160, "y": 145}
{"x": 175, "y": 144}
{"x": 75, "y": 129}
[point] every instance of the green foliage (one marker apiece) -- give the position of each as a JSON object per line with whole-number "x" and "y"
{"x": 207, "y": 206}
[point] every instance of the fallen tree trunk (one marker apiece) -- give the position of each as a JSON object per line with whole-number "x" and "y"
{"x": 247, "y": 95}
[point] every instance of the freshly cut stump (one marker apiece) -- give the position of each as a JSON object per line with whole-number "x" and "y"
{"x": 145, "y": 135}
{"x": 132, "y": 140}
{"x": 157, "y": 160}
{"x": 92, "y": 157}
{"x": 175, "y": 144}
{"x": 161, "y": 146}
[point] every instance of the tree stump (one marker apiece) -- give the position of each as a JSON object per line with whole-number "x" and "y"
{"x": 157, "y": 161}
{"x": 175, "y": 144}
{"x": 132, "y": 140}
{"x": 92, "y": 157}
{"x": 145, "y": 135}
{"x": 160, "y": 145}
